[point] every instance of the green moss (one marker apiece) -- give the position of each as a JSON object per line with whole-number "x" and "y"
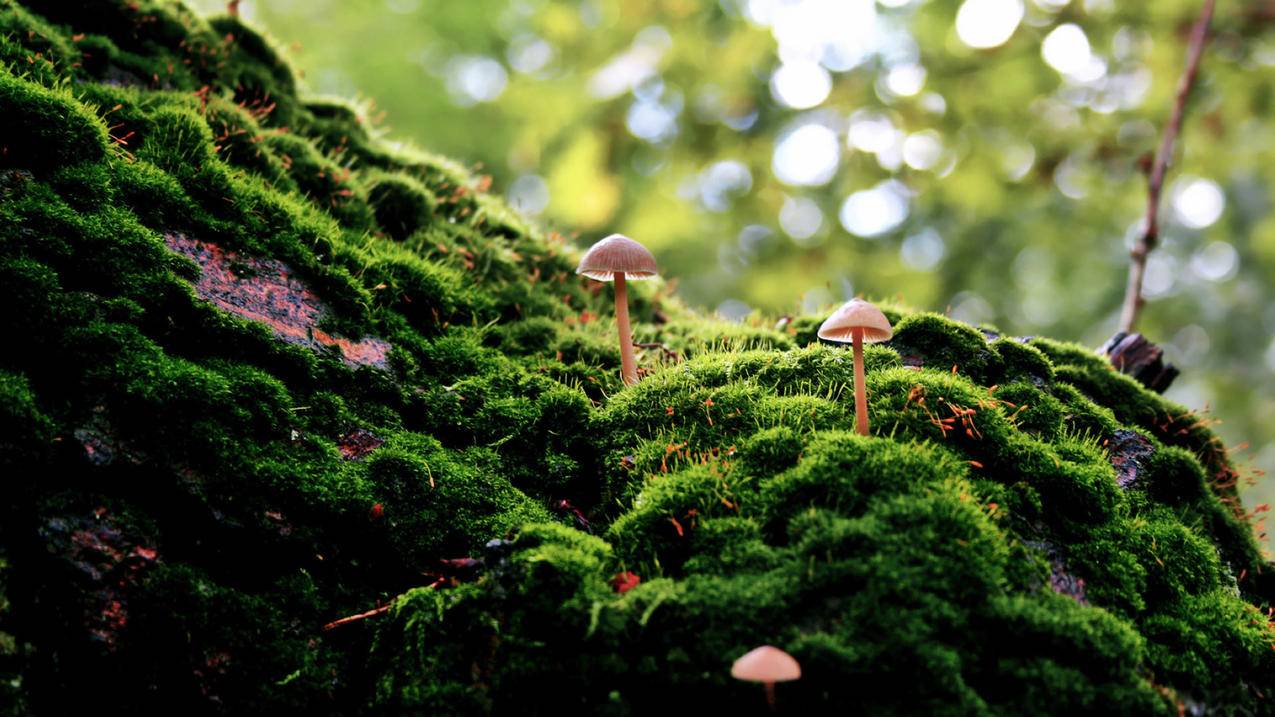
{"x": 321, "y": 179}
{"x": 1174, "y": 477}
{"x": 26, "y": 432}
{"x": 44, "y": 129}
{"x": 699, "y": 336}
{"x": 439, "y": 505}
{"x": 238, "y": 140}
{"x": 401, "y": 204}
{"x": 427, "y": 294}
{"x": 260, "y": 54}
{"x": 281, "y": 487}
{"x": 944, "y": 344}
{"x": 1033, "y": 410}
{"x": 844, "y": 472}
{"x": 1023, "y": 362}
{"x": 177, "y": 141}
{"x": 1216, "y": 642}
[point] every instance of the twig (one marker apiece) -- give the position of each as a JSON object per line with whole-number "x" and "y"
{"x": 384, "y": 608}
{"x": 1133, "y": 300}
{"x": 356, "y": 618}
{"x": 667, "y": 351}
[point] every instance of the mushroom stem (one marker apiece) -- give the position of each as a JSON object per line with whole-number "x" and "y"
{"x": 860, "y": 390}
{"x": 770, "y": 695}
{"x": 628, "y": 366}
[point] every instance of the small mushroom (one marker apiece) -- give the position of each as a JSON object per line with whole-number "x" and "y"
{"x": 857, "y": 321}
{"x": 766, "y": 664}
{"x": 619, "y": 258}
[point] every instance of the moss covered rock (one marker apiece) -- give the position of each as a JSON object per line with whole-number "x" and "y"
{"x": 266, "y": 372}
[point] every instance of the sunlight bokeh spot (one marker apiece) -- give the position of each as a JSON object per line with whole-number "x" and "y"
{"x": 806, "y": 156}
{"x": 1066, "y": 49}
{"x": 876, "y": 211}
{"x": 1017, "y": 159}
{"x": 843, "y": 32}
{"x": 1197, "y": 203}
{"x": 800, "y": 85}
{"x": 905, "y": 80}
{"x": 529, "y": 194}
{"x": 528, "y": 53}
{"x": 1161, "y": 277}
{"x": 971, "y": 308}
{"x": 801, "y": 219}
{"x": 872, "y": 131}
{"x": 1215, "y": 261}
{"x": 472, "y": 79}
{"x": 653, "y": 120}
{"x": 633, "y": 66}
{"x": 923, "y": 150}
{"x": 923, "y": 251}
{"x": 984, "y": 24}
{"x": 1070, "y": 177}
{"x": 722, "y": 182}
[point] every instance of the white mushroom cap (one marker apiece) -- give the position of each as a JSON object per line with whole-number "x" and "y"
{"x": 766, "y": 664}
{"x": 856, "y": 314}
{"x": 618, "y": 254}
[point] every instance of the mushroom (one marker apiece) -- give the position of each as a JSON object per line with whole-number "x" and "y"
{"x": 766, "y": 664}
{"x": 619, "y": 258}
{"x": 857, "y": 321}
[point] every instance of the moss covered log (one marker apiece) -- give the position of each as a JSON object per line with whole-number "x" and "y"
{"x": 265, "y": 372}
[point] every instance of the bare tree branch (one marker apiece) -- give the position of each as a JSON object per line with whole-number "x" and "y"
{"x": 1133, "y": 300}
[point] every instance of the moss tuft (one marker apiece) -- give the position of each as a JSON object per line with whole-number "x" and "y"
{"x": 401, "y": 204}
{"x": 45, "y": 129}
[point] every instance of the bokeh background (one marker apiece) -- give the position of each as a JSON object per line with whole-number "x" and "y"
{"x": 980, "y": 157}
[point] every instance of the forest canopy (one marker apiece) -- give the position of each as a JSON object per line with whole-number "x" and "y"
{"x": 985, "y": 157}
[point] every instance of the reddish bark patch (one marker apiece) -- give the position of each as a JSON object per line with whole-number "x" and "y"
{"x": 1060, "y": 580}
{"x": 1127, "y": 450}
{"x": 99, "y": 449}
{"x": 1064, "y": 583}
{"x": 100, "y": 443}
{"x": 109, "y": 564}
{"x": 265, "y": 291}
{"x": 357, "y": 444}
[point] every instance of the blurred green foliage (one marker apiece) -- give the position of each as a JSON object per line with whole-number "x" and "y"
{"x": 780, "y": 153}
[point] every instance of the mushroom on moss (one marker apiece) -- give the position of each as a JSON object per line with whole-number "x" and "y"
{"x": 857, "y": 321}
{"x": 619, "y": 258}
{"x": 766, "y": 664}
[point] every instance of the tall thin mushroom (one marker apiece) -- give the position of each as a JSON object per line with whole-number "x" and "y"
{"x": 857, "y": 321}
{"x": 618, "y": 258}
